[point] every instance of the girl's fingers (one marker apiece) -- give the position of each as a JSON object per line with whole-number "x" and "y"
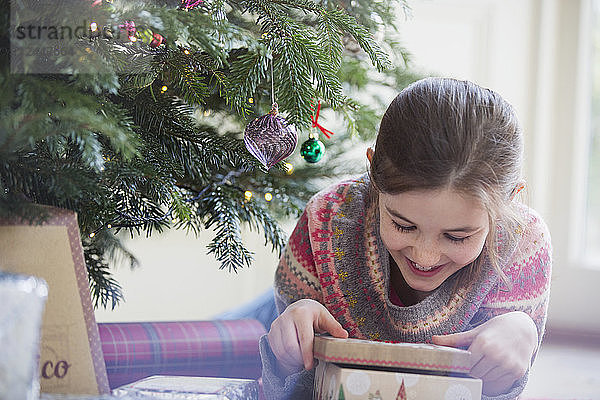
{"x": 292, "y": 334}
{"x": 498, "y": 386}
{"x": 284, "y": 344}
{"x": 327, "y": 323}
{"x": 482, "y": 368}
{"x": 460, "y": 339}
{"x": 494, "y": 374}
{"x": 323, "y": 322}
{"x": 306, "y": 335}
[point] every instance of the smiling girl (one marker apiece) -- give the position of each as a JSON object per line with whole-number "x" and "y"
{"x": 430, "y": 246}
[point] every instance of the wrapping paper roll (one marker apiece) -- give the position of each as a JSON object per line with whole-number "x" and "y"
{"x": 219, "y": 348}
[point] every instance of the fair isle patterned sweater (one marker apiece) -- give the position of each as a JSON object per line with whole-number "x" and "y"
{"x": 335, "y": 256}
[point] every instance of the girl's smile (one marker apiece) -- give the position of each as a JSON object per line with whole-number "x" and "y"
{"x": 424, "y": 271}
{"x": 431, "y": 234}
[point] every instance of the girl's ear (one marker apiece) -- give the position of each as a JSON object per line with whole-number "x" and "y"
{"x": 518, "y": 187}
{"x": 370, "y": 153}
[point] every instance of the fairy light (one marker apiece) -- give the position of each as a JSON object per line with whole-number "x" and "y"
{"x": 247, "y": 195}
{"x": 186, "y": 52}
{"x": 289, "y": 168}
{"x": 268, "y": 196}
{"x": 164, "y": 89}
{"x": 109, "y": 226}
{"x": 132, "y": 38}
{"x": 93, "y": 27}
{"x": 251, "y": 100}
{"x": 92, "y": 234}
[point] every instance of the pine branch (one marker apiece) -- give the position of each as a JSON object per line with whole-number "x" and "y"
{"x": 104, "y": 288}
{"x": 349, "y": 24}
{"x": 222, "y": 213}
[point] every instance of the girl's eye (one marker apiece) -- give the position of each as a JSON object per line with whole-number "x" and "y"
{"x": 456, "y": 239}
{"x": 403, "y": 228}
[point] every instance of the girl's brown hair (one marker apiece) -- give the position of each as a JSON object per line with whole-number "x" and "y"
{"x": 442, "y": 133}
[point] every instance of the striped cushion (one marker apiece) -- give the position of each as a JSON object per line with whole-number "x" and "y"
{"x": 227, "y": 348}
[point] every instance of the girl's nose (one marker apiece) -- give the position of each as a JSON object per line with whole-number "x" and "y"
{"x": 426, "y": 254}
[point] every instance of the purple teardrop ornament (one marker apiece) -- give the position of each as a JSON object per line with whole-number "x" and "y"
{"x": 270, "y": 139}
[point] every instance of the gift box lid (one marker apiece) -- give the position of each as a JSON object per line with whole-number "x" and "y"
{"x": 420, "y": 356}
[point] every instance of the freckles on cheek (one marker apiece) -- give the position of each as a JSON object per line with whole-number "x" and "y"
{"x": 391, "y": 238}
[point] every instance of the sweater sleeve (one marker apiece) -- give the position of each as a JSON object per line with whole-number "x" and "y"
{"x": 296, "y": 275}
{"x": 295, "y": 279}
{"x": 527, "y": 289}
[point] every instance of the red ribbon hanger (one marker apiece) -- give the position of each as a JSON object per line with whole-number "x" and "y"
{"x": 315, "y": 123}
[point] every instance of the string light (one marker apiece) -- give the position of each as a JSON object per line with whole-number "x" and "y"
{"x": 163, "y": 89}
{"x": 247, "y": 195}
{"x": 94, "y": 27}
{"x": 186, "y": 52}
{"x": 251, "y": 100}
{"x": 109, "y": 226}
{"x": 289, "y": 168}
{"x": 268, "y": 196}
{"x": 92, "y": 234}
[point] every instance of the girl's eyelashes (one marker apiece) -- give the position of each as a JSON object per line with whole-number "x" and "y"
{"x": 456, "y": 239}
{"x": 403, "y": 228}
{"x": 410, "y": 228}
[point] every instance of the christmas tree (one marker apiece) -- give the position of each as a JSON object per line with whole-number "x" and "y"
{"x": 137, "y": 123}
{"x": 401, "y": 392}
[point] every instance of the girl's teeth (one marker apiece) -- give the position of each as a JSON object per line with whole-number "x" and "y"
{"x": 420, "y": 268}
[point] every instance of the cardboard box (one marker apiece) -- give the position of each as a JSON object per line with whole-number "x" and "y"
{"x": 71, "y": 360}
{"x": 360, "y": 369}
{"x": 191, "y": 388}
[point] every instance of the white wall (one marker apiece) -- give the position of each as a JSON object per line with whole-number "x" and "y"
{"x": 532, "y": 53}
{"x": 177, "y": 281}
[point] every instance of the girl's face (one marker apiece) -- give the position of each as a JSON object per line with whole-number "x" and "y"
{"x": 432, "y": 234}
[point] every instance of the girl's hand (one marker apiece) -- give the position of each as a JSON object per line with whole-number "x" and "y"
{"x": 502, "y": 348}
{"x": 292, "y": 333}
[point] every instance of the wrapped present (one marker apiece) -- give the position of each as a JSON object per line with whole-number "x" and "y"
{"x": 191, "y": 388}
{"x": 71, "y": 359}
{"x": 362, "y": 369}
{"x": 136, "y": 350}
{"x": 22, "y": 301}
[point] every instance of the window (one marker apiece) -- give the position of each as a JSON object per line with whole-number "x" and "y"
{"x": 592, "y": 217}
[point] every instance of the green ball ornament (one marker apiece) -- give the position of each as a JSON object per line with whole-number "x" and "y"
{"x": 312, "y": 150}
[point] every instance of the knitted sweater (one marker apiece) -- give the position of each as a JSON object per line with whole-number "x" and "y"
{"x": 335, "y": 256}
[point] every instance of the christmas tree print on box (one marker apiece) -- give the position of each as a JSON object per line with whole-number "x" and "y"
{"x": 339, "y": 382}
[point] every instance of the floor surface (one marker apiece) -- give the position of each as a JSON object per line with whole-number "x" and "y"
{"x": 566, "y": 367}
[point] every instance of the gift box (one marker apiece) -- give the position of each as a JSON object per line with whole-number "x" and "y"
{"x": 361, "y": 369}
{"x": 191, "y": 388}
{"x": 70, "y": 360}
